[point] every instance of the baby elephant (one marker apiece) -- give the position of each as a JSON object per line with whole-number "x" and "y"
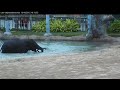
{"x": 20, "y": 46}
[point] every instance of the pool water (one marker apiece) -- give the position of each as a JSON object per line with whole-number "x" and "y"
{"x": 55, "y": 48}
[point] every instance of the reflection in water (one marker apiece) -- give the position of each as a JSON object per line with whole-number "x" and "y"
{"x": 54, "y": 48}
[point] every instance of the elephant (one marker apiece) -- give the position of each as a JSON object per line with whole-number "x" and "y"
{"x": 20, "y": 46}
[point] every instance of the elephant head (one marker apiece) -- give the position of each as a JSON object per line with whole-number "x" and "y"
{"x": 32, "y": 45}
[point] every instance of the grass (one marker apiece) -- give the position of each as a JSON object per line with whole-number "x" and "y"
{"x": 114, "y": 35}
{"x": 66, "y": 34}
{"x": 26, "y": 33}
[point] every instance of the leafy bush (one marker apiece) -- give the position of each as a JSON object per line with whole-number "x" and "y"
{"x": 58, "y": 25}
{"x": 71, "y": 25}
{"x": 114, "y": 27}
{"x": 40, "y": 26}
{"x": 2, "y": 29}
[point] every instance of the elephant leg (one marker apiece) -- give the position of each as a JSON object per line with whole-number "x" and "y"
{"x": 5, "y": 49}
{"x": 40, "y": 48}
{"x": 23, "y": 50}
{"x": 37, "y": 50}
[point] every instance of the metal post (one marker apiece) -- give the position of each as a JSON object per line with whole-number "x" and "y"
{"x": 7, "y": 27}
{"x": 19, "y": 24}
{"x": 83, "y": 19}
{"x": 89, "y": 33}
{"x": 47, "y": 26}
{"x": 30, "y": 20}
{"x": 85, "y": 24}
{"x": 0, "y": 23}
{"x": 89, "y": 23}
{"x": 13, "y": 22}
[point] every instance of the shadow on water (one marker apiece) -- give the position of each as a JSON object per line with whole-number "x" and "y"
{"x": 56, "y": 47}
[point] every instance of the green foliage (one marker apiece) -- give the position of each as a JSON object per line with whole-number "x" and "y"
{"x": 39, "y": 26}
{"x": 57, "y": 25}
{"x": 2, "y": 29}
{"x": 14, "y": 29}
{"x": 71, "y": 25}
{"x": 114, "y": 27}
{"x": 65, "y": 34}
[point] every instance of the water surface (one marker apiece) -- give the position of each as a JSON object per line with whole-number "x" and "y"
{"x": 55, "y": 48}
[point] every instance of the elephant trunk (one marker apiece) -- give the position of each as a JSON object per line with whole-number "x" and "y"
{"x": 40, "y": 48}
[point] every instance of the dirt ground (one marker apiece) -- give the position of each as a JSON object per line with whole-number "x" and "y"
{"x": 101, "y": 64}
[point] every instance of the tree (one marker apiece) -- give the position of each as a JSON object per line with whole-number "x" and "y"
{"x": 98, "y": 25}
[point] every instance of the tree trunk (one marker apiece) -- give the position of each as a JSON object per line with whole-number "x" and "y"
{"x": 98, "y": 25}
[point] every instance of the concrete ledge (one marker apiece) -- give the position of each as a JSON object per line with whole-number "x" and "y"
{"x": 56, "y": 38}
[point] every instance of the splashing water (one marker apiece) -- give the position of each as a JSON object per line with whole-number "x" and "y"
{"x": 54, "y": 48}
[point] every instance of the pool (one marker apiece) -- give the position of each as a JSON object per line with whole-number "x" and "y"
{"x": 55, "y": 48}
